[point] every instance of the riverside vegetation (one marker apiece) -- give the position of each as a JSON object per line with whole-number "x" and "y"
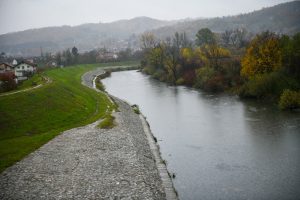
{"x": 29, "y": 120}
{"x": 264, "y": 66}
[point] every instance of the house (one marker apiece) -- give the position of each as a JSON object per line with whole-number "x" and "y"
{"x": 25, "y": 69}
{"x": 51, "y": 64}
{"x": 106, "y": 56}
{"x": 4, "y": 67}
{"x": 14, "y": 62}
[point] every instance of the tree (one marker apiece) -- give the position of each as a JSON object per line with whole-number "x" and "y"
{"x": 7, "y": 81}
{"x": 214, "y": 54}
{"x": 291, "y": 54}
{"x": 148, "y": 41}
{"x": 171, "y": 64}
{"x": 205, "y": 36}
{"x": 226, "y": 37}
{"x": 262, "y": 56}
{"x": 58, "y": 58}
{"x": 75, "y": 51}
{"x": 75, "y": 54}
{"x": 157, "y": 56}
{"x": 237, "y": 37}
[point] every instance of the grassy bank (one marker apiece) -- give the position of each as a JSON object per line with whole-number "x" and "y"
{"x": 30, "y": 119}
{"x": 37, "y": 79}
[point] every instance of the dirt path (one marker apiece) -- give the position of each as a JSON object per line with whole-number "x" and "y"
{"x": 48, "y": 80}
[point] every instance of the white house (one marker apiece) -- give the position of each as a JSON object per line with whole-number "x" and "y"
{"x": 14, "y": 62}
{"x": 24, "y": 69}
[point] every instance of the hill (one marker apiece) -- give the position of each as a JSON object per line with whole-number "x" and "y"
{"x": 85, "y": 37}
{"x": 282, "y": 18}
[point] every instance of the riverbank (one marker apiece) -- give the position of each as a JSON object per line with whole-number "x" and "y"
{"x": 30, "y": 119}
{"x": 218, "y": 146}
{"x": 90, "y": 163}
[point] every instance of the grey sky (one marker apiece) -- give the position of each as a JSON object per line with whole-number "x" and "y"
{"x": 17, "y": 15}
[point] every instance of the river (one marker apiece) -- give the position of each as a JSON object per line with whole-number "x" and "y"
{"x": 218, "y": 146}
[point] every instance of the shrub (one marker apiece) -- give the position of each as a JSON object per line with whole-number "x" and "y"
{"x": 136, "y": 109}
{"x": 180, "y": 81}
{"x": 7, "y": 82}
{"x": 148, "y": 70}
{"x": 203, "y": 75}
{"x": 259, "y": 86}
{"x": 189, "y": 77}
{"x": 99, "y": 85}
{"x": 267, "y": 85}
{"x": 289, "y": 100}
{"x": 215, "y": 84}
{"x": 158, "y": 74}
{"x": 107, "y": 122}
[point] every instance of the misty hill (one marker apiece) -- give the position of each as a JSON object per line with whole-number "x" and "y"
{"x": 282, "y": 19}
{"x": 85, "y": 37}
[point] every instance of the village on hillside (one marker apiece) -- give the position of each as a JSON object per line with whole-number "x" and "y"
{"x": 13, "y": 74}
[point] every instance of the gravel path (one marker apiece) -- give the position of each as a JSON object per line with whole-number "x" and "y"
{"x": 89, "y": 163}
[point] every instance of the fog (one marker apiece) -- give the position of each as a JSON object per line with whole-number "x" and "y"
{"x": 17, "y": 15}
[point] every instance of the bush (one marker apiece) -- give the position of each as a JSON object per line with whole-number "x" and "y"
{"x": 136, "y": 109}
{"x": 203, "y": 75}
{"x": 180, "y": 81}
{"x": 215, "y": 84}
{"x": 148, "y": 70}
{"x": 99, "y": 84}
{"x": 289, "y": 100}
{"x": 159, "y": 74}
{"x": 267, "y": 85}
{"x": 107, "y": 122}
{"x": 7, "y": 82}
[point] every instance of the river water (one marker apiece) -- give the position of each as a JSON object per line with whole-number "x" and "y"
{"x": 218, "y": 146}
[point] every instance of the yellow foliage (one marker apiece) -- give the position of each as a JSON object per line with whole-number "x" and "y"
{"x": 262, "y": 56}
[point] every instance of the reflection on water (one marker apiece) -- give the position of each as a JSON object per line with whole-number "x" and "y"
{"x": 218, "y": 146}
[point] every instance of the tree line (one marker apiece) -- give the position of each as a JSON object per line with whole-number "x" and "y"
{"x": 262, "y": 66}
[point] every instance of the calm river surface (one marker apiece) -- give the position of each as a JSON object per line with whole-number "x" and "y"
{"x": 218, "y": 146}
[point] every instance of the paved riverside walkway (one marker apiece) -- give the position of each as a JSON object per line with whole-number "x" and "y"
{"x": 89, "y": 163}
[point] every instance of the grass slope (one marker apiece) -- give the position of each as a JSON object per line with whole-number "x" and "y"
{"x": 28, "y": 120}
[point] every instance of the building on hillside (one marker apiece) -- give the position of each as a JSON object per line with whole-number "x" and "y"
{"x": 4, "y": 67}
{"x": 25, "y": 69}
{"x": 51, "y": 64}
{"x": 106, "y": 56}
{"x": 14, "y": 62}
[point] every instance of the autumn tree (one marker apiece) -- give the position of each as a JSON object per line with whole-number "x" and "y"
{"x": 205, "y": 37}
{"x": 214, "y": 55}
{"x": 172, "y": 65}
{"x": 262, "y": 56}
{"x": 157, "y": 56}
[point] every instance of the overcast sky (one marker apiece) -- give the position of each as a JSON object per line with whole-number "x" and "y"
{"x": 17, "y": 15}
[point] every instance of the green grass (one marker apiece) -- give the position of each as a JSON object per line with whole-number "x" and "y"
{"x": 31, "y": 82}
{"x": 108, "y": 122}
{"x": 30, "y": 119}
